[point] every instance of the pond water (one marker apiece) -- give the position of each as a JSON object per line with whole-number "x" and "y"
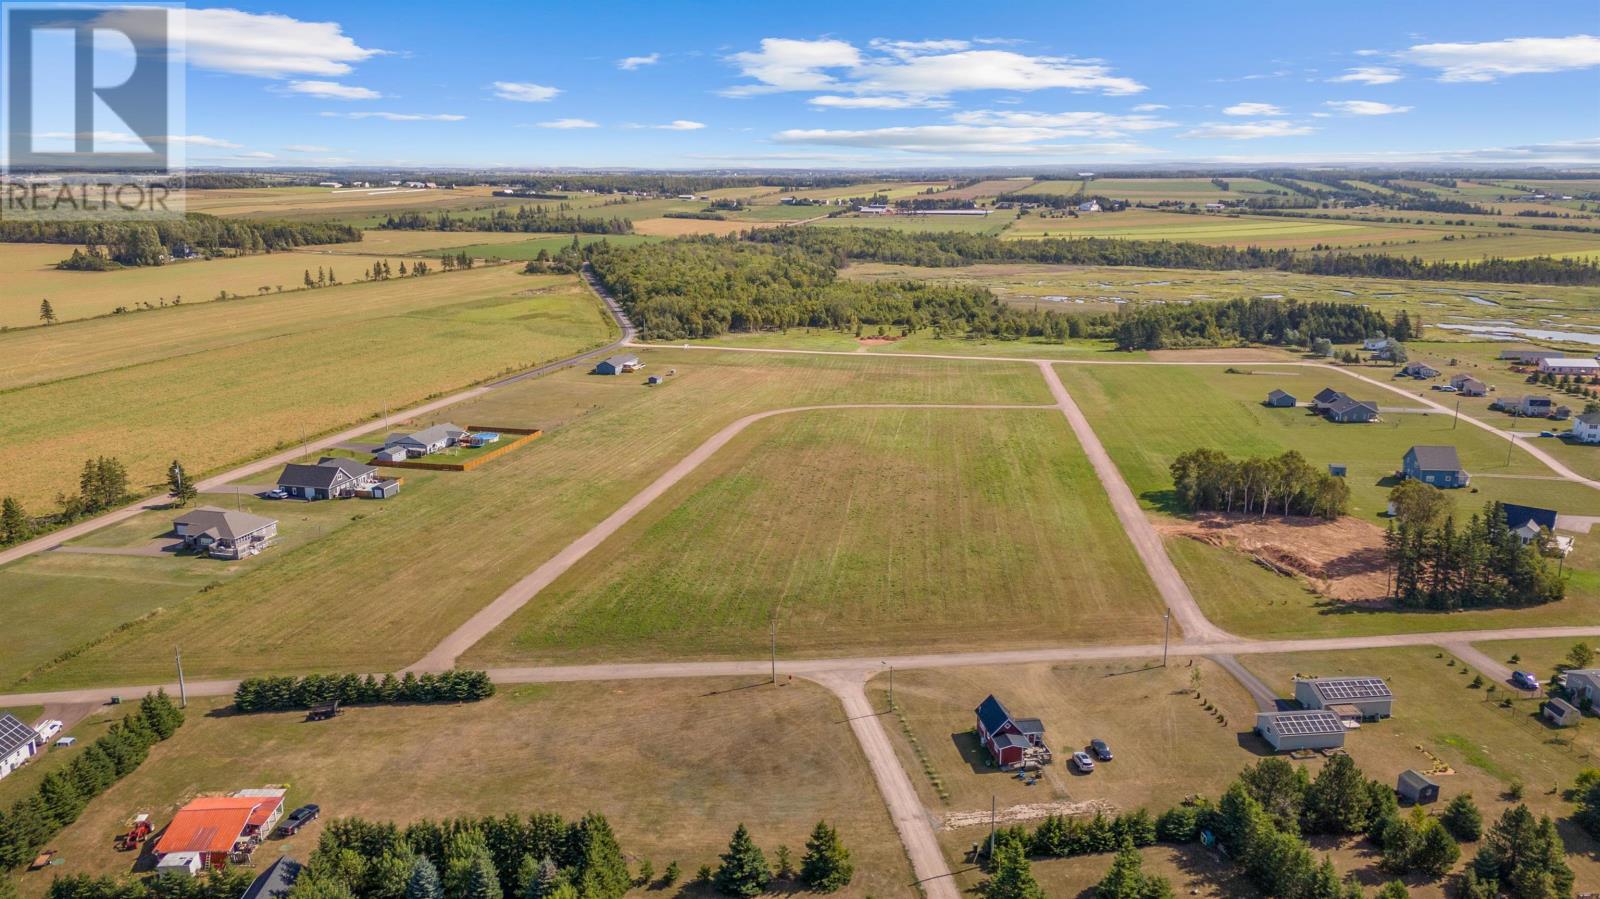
{"x": 1481, "y": 301}
{"x": 1502, "y": 332}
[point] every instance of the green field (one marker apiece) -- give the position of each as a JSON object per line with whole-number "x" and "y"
{"x": 994, "y": 223}
{"x": 364, "y": 597}
{"x": 522, "y": 251}
{"x": 647, "y": 762}
{"x": 1153, "y": 190}
{"x": 857, "y": 530}
{"x": 252, "y": 375}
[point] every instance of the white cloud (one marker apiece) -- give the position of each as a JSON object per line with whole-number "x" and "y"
{"x": 1253, "y": 109}
{"x": 567, "y": 124}
{"x": 200, "y": 140}
{"x": 1067, "y": 124}
{"x": 1489, "y": 60}
{"x": 332, "y": 90}
{"x": 913, "y": 69}
{"x": 1368, "y": 75}
{"x": 834, "y": 101}
{"x": 397, "y": 116}
{"x": 629, "y": 63}
{"x": 524, "y": 92}
{"x": 1249, "y": 130}
{"x": 266, "y": 45}
{"x": 1365, "y": 107}
{"x": 1369, "y": 53}
{"x": 306, "y": 148}
{"x": 982, "y": 139}
{"x": 680, "y": 125}
{"x": 1151, "y": 107}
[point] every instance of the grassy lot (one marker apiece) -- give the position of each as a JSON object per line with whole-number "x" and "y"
{"x": 1270, "y": 232}
{"x": 1537, "y": 656}
{"x": 1154, "y": 190}
{"x": 922, "y": 342}
{"x": 927, "y": 529}
{"x": 377, "y": 240}
{"x": 298, "y": 523}
{"x": 364, "y": 597}
{"x": 648, "y": 765}
{"x": 525, "y": 250}
{"x": 780, "y": 213}
{"x": 262, "y": 382}
{"x": 307, "y": 203}
{"x": 30, "y": 275}
{"x": 993, "y": 223}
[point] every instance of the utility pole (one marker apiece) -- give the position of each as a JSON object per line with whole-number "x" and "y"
{"x": 891, "y": 683}
{"x": 1457, "y": 419}
{"x": 773, "y": 627}
{"x": 1166, "y": 635}
{"x": 183, "y": 690}
{"x": 1509, "y": 446}
{"x": 991, "y": 825}
{"x": 177, "y": 472}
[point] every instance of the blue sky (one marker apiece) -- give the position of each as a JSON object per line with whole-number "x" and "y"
{"x": 830, "y": 84}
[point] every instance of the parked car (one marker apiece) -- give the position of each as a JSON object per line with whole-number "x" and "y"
{"x": 275, "y": 493}
{"x": 1102, "y": 750}
{"x": 1524, "y": 680}
{"x": 297, "y": 819}
{"x": 1547, "y": 433}
{"x": 1082, "y": 762}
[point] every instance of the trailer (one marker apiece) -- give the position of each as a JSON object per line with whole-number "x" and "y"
{"x": 137, "y": 834}
{"x": 323, "y": 711}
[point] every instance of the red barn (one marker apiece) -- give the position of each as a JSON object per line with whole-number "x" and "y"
{"x": 212, "y": 827}
{"x": 1012, "y": 741}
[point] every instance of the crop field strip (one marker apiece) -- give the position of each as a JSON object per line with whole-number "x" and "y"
{"x": 362, "y": 597}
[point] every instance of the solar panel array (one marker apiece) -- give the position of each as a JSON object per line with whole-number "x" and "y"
{"x": 1340, "y": 688}
{"x": 13, "y": 733}
{"x": 1301, "y": 724}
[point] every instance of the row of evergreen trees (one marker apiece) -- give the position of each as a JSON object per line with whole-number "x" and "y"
{"x": 1207, "y": 480}
{"x": 523, "y": 219}
{"x": 1441, "y": 566}
{"x": 62, "y": 794}
{"x": 269, "y": 694}
{"x": 149, "y": 243}
{"x": 229, "y": 883}
{"x": 1256, "y": 320}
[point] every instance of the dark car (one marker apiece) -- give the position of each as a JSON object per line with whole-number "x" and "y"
{"x": 1524, "y": 680}
{"x": 1101, "y": 749}
{"x": 297, "y": 819}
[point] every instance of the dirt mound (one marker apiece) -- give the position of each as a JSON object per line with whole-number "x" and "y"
{"x": 1341, "y": 559}
{"x": 1030, "y": 812}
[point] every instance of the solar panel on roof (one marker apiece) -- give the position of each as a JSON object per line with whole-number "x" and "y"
{"x": 1352, "y": 688}
{"x": 13, "y": 733}
{"x": 1302, "y": 724}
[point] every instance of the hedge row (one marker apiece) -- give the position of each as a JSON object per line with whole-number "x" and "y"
{"x": 271, "y": 694}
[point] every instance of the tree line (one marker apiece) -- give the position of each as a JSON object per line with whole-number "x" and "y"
{"x": 1207, "y": 480}
{"x": 270, "y": 694}
{"x": 62, "y": 795}
{"x": 522, "y": 219}
{"x": 1257, "y": 320}
{"x": 102, "y": 484}
{"x": 1483, "y": 563}
{"x": 154, "y": 242}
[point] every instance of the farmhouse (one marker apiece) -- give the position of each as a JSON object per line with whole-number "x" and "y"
{"x": 1528, "y": 521}
{"x": 1370, "y": 697}
{"x": 331, "y": 477}
{"x": 1436, "y": 465}
{"x": 1346, "y": 410}
{"x": 426, "y": 441}
{"x": 1415, "y": 787}
{"x": 617, "y": 365}
{"x": 1295, "y": 730}
{"x": 1422, "y": 371}
{"x": 225, "y": 534}
{"x": 1278, "y": 399}
{"x": 1534, "y": 406}
{"x": 1561, "y": 713}
{"x": 1013, "y": 742}
{"x": 1467, "y": 385}
{"x": 1089, "y": 206}
{"x": 207, "y": 831}
{"x": 1574, "y": 366}
{"x": 1586, "y": 428}
{"x": 1583, "y": 685}
{"x": 1325, "y": 397}
{"x": 1377, "y": 344}
{"x": 18, "y": 743}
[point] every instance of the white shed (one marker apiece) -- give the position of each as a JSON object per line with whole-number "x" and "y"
{"x": 1289, "y": 731}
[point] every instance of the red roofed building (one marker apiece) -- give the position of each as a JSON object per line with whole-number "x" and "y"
{"x": 212, "y": 827}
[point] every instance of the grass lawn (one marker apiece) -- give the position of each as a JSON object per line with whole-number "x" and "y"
{"x": 298, "y": 523}
{"x": 1538, "y": 656}
{"x": 234, "y": 389}
{"x": 647, "y": 764}
{"x": 859, "y": 529}
{"x": 364, "y": 597}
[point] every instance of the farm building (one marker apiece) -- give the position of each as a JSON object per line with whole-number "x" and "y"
{"x": 1370, "y": 697}
{"x": 1534, "y": 406}
{"x": 653, "y": 380}
{"x": 330, "y": 477}
{"x": 1345, "y": 410}
{"x": 617, "y": 365}
{"x": 1419, "y": 370}
{"x": 1529, "y": 356}
{"x": 428, "y": 440}
{"x": 1278, "y": 399}
{"x": 209, "y": 830}
{"x": 1415, "y": 787}
{"x": 1583, "y": 685}
{"x": 1561, "y": 713}
{"x": 1291, "y": 731}
{"x": 1089, "y": 206}
{"x": 18, "y": 743}
{"x": 1467, "y": 385}
{"x": 225, "y": 534}
{"x": 1569, "y": 366}
{"x": 1014, "y": 742}
{"x": 1436, "y": 465}
{"x": 1586, "y": 428}
{"x": 1325, "y": 397}
{"x": 1377, "y": 344}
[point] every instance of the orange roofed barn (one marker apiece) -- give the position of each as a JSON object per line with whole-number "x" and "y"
{"x": 204, "y": 833}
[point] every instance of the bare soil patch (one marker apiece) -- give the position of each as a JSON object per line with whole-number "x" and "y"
{"x": 1340, "y": 559}
{"x": 876, "y": 341}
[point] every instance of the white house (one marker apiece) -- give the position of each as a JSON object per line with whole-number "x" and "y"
{"x": 1583, "y": 685}
{"x": 18, "y": 743}
{"x": 1586, "y": 427}
{"x": 1573, "y": 366}
{"x": 1089, "y": 206}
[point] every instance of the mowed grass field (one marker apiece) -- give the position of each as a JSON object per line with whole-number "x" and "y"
{"x": 653, "y": 762}
{"x": 325, "y": 203}
{"x": 406, "y": 243}
{"x": 857, "y": 530}
{"x": 30, "y": 275}
{"x": 230, "y": 390}
{"x": 993, "y": 223}
{"x": 525, "y": 250}
{"x": 1153, "y": 190}
{"x": 366, "y": 598}
{"x": 1222, "y": 230}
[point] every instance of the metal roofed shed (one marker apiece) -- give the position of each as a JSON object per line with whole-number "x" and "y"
{"x": 617, "y": 365}
{"x": 1415, "y": 787}
{"x": 1369, "y": 695}
{"x": 1561, "y": 713}
{"x": 1296, "y": 730}
{"x": 18, "y": 743}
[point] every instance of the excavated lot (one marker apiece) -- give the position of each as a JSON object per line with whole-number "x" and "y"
{"x": 1340, "y": 559}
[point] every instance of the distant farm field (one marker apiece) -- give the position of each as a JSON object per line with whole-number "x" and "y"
{"x": 1153, "y": 190}
{"x": 378, "y": 240}
{"x": 858, "y": 530}
{"x": 30, "y": 276}
{"x": 665, "y": 227}
{"x": 522, "y": 251}
{"x": 994, "y": 223}
{"x": 325, "y": 203}
{"x": 239, "y": 391}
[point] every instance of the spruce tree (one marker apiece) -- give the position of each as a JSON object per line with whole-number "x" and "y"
{"x": 481, "y": 881}
{"x": 826, "y": 866}
{"x": 14, "y": 524}
{"x": 744, "y": 870}
{"x": 1013, "y": 875}
{"x": 424, "y": 881}
{"x": 1336, "y": 802}
{"x": 47, "y": 312}
{"x": 604, "y": 872}
{"x": 1462, "y": 818}
{"x": 544, "y": 880}
{"x": 179, "y": 482}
